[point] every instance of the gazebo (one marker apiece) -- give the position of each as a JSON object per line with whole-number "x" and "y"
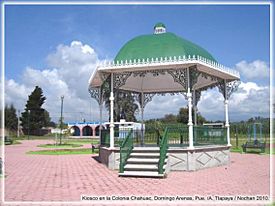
{"x": 157, "y": 64}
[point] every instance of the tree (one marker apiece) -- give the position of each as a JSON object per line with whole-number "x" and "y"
{"x": 183, "y": 115}
{"x": 123, "y": 102}
{"x": 52, "y": 124}
{"x": 169, "y": 118}
{"x": 10, "y": 118}
{"x": 35, "y": 117}
{"x": 47, "y": 119}
{"x": 250, "y": 120}
{"x": 200, "y": 119}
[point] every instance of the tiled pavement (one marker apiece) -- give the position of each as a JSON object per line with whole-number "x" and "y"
{"x": 67, "y": 177}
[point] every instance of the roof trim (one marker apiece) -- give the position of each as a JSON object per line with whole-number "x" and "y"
{"x": 140, "y": 63}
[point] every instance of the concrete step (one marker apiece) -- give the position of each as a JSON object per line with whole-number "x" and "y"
{"x": 145, "y": 149}
{"x": 141, "y": 167}
{"x": 140, "y": 160}
{"x": 144, "y": 154}
{"x": 141, "y": 174}
{"x": 135, "y": 160}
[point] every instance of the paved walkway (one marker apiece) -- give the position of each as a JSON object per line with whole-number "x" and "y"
{"x": 67, "y": 177}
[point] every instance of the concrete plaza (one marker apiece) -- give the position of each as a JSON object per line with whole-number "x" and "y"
{"x": 67, "y": 177}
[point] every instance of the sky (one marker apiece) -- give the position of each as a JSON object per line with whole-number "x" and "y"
{"x": 58, "y": 47}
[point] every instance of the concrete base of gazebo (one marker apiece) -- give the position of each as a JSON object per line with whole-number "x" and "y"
{"x": 179, "y": 159}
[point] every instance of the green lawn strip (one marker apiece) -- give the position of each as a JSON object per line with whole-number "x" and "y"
{"x": 81, "y": 141}
{"x": 16, "y": 142}
{"x": 250, "y": 151}
{"x": 62, "y": 152}
{"x": 234, "y": 149}
{"x": 13, "y": 143}
{"x": 34, "y": 137}
{"x": 59, "y": 146}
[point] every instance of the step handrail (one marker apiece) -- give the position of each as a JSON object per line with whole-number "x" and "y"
{"x": 125, "y": 150}
{"x": 163, "y": 146}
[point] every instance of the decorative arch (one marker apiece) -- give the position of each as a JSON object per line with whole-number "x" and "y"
{"x": 87, "y": 131}
{"x": 97, "y": 130}
{"x": 76, "y": 131}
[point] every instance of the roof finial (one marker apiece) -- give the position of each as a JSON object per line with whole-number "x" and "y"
{"x": 159, "y": 28}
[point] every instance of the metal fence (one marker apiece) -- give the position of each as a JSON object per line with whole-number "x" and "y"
{"x": 149, "y": 136}
{"x": 177, "y": 135}
{"x": 204, "y": 135}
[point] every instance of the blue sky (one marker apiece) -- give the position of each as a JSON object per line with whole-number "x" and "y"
{"x": 234, "y": 35}
{"x": 229, "y": 33}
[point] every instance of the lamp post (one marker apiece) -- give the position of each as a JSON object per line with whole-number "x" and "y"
{"x": 61, "y": 119}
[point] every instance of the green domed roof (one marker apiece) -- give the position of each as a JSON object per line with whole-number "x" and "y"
{"x": 160, "y": 45}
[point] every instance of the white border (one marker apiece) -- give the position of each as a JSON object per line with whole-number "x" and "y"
{"x": 138, "y": 3}
{"x": 271, "y": 16}
{"x": 3, "y": 100}
{"x": 4, "y": 3}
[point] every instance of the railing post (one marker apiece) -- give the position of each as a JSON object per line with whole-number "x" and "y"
{"x": 112, "y": 112}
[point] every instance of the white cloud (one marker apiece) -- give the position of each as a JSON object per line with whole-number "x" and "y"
{"x": 253, "y": 71}
{"x": 248, "y": 101}
{"x": 16, "y": 93}
{"x": 69, "y": 69}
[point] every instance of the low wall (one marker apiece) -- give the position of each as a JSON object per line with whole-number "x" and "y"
{"x": 199, "y": 158}
{"x": 109, "y": 157}
{"x": 179, "y": 159}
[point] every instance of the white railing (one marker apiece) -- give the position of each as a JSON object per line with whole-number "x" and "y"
{"x": 166, "y": 61}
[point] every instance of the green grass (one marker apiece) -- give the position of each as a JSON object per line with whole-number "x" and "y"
{"x": 250, "y": 151}
{"x": 13, "y": 143}
{"x": 16, "y": 142}
{"x": 62, "y": 152}
{"x": 234, "y": 149}
{"x": 242, "y": 139}
{"x": 59, "y": 146}
{"x": 81, "y": 141}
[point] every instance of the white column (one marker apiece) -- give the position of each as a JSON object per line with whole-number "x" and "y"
{"x": 227, "y": 122}
{"x": 112, "y": 125}
{"x": 195, "y": 108}
{"x": 190, "y": 123}
{"x": 142, "y": 118}
{"x": 226, "y": 114}
{"x": 100, "y": 118}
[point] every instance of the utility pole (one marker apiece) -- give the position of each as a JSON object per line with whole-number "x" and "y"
{"x": 61, "y": 119}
